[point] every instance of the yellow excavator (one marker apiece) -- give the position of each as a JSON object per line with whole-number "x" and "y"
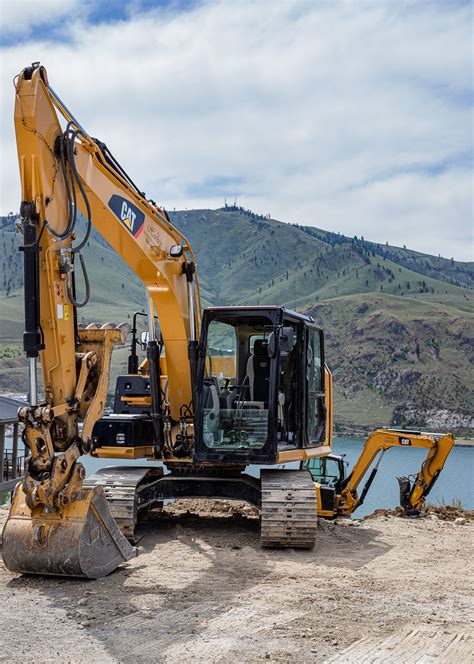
{"x": 218, "y": 391}
{"x": 337, "y": 494}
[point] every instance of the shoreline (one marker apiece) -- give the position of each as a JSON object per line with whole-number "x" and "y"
{"x": 464, "y": 442}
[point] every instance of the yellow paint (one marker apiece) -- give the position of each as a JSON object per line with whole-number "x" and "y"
{"x": 124, "y": 452}
{"x": 137, "y": 401}
{"x": 328, "y": 402}
{"x": 302, "y": 454}
{"x": 224, "y": 365}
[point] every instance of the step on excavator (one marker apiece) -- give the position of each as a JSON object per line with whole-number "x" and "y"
{"x": 217, "y": 390}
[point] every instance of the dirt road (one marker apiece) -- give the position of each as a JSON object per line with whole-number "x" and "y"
{"x": 202, "y": 590}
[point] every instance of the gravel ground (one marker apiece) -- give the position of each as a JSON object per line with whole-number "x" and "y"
{"x": 203, "y": 590}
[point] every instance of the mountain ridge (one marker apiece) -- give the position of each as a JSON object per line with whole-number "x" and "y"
{"x": 398, "y": 338}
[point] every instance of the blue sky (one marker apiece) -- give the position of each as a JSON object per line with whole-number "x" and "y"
{"x": 54, "y": 23}
{"x": 350, "y": 116}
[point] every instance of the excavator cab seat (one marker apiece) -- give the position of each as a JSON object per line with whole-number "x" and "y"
{"x": 257, "y": 377}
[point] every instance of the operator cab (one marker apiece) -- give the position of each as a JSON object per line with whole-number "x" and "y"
{"x": 260, "y": 384}
{"x": 259, "y": 390}
{"x": 328, "y": 475}
{"x": 328, "y": 471}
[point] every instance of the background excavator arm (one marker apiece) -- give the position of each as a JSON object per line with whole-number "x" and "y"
{"x": 412, "y": 493}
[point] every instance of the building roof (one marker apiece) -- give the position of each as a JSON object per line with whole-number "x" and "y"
{"x": 9, "y": 409}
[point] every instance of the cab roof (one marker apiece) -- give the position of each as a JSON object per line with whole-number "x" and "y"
{"x": 261, "y": 309}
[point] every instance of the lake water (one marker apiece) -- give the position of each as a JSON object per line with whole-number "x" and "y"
{"x": 455, "y": 481}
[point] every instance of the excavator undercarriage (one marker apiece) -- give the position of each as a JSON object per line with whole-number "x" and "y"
{"x": 286, "y": 498}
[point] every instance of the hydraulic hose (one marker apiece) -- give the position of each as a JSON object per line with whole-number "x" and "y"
{"x": 72, "y": 166}
{"x": 72, "y": 181}
{"x": 70, "y": 293}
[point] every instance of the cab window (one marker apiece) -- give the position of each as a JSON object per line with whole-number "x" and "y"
{"x": 324, "y": 470}
{"x": 221, "y": 352}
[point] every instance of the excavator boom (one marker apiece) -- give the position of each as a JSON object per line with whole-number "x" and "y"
{"x": 62, "y": 173}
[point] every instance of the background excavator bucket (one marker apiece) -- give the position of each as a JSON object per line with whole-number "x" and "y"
{"x": 83, "y": 540}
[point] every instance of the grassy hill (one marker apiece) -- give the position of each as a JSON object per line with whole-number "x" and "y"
{"x": 298, "y": 265}
{"x": 400, "y": 361}
{"x": 397, "y": 322}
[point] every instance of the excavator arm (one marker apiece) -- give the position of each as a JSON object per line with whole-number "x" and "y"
{"x": 64, "y": 171}
{"x": 412, "y": 492}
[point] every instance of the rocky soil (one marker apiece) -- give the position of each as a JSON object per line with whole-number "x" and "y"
{"x": 203, "y": 590}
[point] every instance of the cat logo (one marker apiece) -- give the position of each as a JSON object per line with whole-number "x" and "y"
{"x": 128, "y": 213}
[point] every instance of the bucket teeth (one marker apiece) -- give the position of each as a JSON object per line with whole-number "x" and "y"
{"x": 82, "y": 541}
{"x": 123, "y": 328}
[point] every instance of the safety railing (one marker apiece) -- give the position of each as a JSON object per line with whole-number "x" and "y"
{"x": 12, "y": 455}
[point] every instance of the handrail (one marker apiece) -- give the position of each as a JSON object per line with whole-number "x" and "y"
{"x": 12, "y": 461}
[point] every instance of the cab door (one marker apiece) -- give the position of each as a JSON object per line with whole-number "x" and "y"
{"x": 327, "y": 474}
{"x": 314, "y": 379}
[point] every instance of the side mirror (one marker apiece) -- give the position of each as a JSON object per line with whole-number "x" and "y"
{"x": 144, "y": 339}
{"x": 272, "y": 345}
{"x": 286, "y": 340}
{"x": 284, "y": 337}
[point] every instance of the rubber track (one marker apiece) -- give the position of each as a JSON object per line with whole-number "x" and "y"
{"x": 289, "y": 509}
{"x": 120, "y": 486}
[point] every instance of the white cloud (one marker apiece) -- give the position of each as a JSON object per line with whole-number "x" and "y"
{"x": 18, "y": 16}
{"x": 331, "y": 114}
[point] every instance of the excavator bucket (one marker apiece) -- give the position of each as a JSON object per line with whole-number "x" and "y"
{"x": 81, "y": 541}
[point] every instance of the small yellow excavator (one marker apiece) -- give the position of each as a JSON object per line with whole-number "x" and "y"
{"x": 218, "y": 391}
{"x": 337, "y": 494}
